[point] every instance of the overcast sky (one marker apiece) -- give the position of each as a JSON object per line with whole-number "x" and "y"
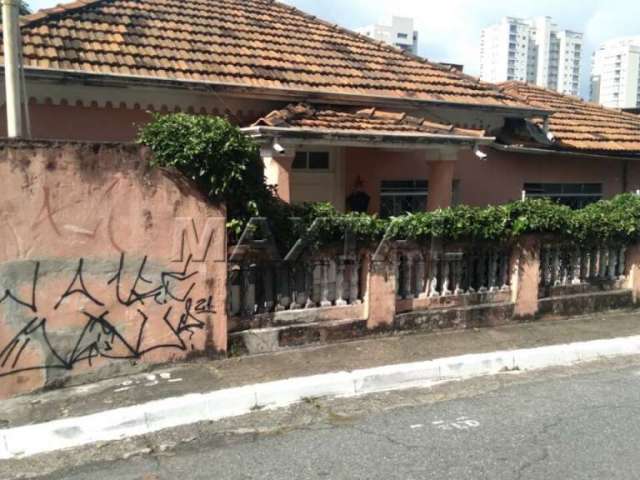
{"x": 450, "y": 29}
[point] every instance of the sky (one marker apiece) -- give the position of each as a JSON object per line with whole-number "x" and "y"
{"x": 450, "y": 29}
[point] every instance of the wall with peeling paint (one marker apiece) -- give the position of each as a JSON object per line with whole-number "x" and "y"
{"x": 104, "y": 263}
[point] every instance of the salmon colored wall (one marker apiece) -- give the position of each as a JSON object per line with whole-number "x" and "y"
{"x": 375, "y": 165}
{"x": 65, "y": 122}
{"x": 102, "y": 263}
{"x": 499, "y": 179}
{"x": 96, "y": 124}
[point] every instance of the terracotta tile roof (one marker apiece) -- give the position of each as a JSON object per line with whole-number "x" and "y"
{"x": 580, "y": 125}
{"x": 246, "y": 43}
{"x": 369, "y": 120}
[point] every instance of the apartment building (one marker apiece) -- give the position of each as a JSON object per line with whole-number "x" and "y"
{"x": 397, "y": 31}
{"x": 615, "y": 73}
{"x": 532, "y": 50}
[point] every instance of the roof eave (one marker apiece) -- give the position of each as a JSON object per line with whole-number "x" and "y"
{"x": 110, "y": 79}
{"x": 613, "y": 155}
{"x": 350, "y": 138}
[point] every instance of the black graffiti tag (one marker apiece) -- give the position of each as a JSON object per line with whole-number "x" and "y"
{"x": 183, "y": 315}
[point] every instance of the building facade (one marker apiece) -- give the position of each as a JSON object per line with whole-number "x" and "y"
{"x": 407, "y": 133}
{"x": 532, "y": 50}
{"x": 615, "y": 73}
{"x": 397, "y": 31}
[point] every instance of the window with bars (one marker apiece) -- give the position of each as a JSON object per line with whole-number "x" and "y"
{"x": 574, "y": 195}
{"x": 398, "y": 197}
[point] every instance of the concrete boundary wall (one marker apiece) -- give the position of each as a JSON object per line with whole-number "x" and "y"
{"x": 104, "y": 263}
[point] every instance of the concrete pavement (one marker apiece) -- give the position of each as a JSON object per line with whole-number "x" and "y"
{"x": 202, "y": 376}
{"x": 570, "y": 423}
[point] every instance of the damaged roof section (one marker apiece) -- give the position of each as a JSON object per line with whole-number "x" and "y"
{"x": 574, "y": 125}
{"x": 333, "y": 123}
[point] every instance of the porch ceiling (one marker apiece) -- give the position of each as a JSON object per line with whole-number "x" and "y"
{"x": 368, "y": 127}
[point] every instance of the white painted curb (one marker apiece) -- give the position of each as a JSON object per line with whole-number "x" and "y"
{"x": 172, "y": 412}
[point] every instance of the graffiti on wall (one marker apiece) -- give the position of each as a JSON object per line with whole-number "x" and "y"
{"x": 76, "y": 312}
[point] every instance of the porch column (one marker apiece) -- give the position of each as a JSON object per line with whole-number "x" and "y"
{"x": 277, "y": 170}
{"x": 440, "y": 184}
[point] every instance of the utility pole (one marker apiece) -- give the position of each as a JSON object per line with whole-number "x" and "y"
{"x": 11, "y": 32}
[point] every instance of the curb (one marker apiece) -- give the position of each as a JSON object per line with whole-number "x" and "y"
{"x": 118, "y": 424}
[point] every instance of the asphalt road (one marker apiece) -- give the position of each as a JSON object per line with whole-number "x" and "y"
{"x": 582, "y": 425}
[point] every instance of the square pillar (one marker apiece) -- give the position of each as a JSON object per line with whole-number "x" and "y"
{"x": 277, "y": 171}
{"x": 633, "y": 271}
{"x": 381, "y": 294}
{"x": 440, "y": 184}
{"x": 525, "y": 276}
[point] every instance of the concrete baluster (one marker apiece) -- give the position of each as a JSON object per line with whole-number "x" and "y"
{"x": 324, "y": 286}
{"x": 310, "y": 285}
{"x": 557, "y": 266}
{"x": 407, "y": 277}
{"x": 296, "y": 302}
{"x": 249, "y": 289}
{"x": 576, "y": 257}
{"x": 421, "y": 283}
{"x": 483, "y": 280}
{"x": 446, "y": 274}
{"x": 397, "y": 266}
{"x": 622, "y": 262}
{"x": 594, "y": 264}
{"x": 603, "y": 262}
{"x": 340, "y": 272}
{"x": 354, "y": 289}
{"x": 268, "y": 289}
{"x": 471, "y": 273}
{"x": 493, "y": 267}
{"x": 613, "y": 263}
{"x": 547, "y": 266}
{"x": 457, "y": 276}
{"x": 504, "y": 271}
{"x": 235, "y": 290}
{"x": 433, "y": 278}
{"x": 585, "y": 261}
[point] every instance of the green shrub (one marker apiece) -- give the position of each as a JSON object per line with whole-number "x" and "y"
{"x": 223, "y": 163}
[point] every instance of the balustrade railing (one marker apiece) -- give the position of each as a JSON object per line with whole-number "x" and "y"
{"x": 317, "y": 281}
{"x": 564, "y": 265}
{"x": 443, "y": 274}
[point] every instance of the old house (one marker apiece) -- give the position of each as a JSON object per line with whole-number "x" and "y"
{"x": 338, "y": 115}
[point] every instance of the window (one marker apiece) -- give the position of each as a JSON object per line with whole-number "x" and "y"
{"x": 403, "y": 196}
{"x": 403, "y": 36}
{"x": 574, "y": 195}
{"x": 314, "y": 161}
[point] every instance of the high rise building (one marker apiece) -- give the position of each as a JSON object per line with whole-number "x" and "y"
{"x": 398, "y": 31}
{"x": 532, "y": 50}
{"x": 615, "y": 73}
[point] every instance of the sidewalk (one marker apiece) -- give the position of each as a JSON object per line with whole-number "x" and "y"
{"x": 205, "y": 377}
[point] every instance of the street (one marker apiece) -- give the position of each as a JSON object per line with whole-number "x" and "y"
{"x": 577, "y": 423}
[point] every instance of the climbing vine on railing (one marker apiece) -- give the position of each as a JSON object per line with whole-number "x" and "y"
{"x": 616, "y": 220}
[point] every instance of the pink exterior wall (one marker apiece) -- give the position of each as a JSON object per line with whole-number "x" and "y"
{"x": 66, "y": 122}
{"x": 102, "y": 263}
{"x": 106, "y": 124}
{"x": 499, "y": 179}
{"x": 374, "y": 165}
